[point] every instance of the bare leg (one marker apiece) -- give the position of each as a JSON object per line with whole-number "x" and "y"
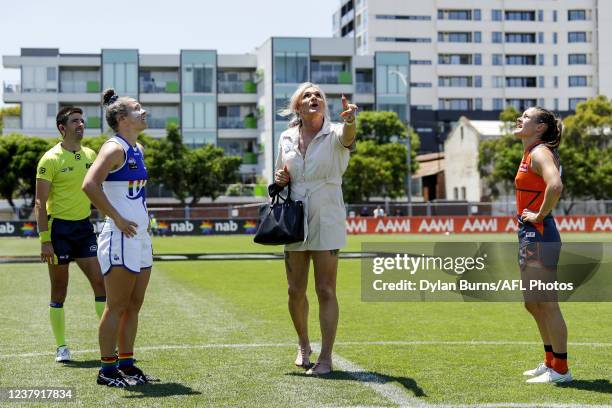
{"x": 119, "y": 284}
{"x": 91, "y": 269}
{"x": 325, "y": 270}
{"x": 296, "y": 267}
{"x": 129, "y": 320}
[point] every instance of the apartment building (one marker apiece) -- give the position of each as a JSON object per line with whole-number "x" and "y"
{"x": 231, "y": 101}
{"x": 474, "y": 58}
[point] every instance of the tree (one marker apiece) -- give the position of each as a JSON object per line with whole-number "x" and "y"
{"x": 208, "y": 172}
{"x": 381, "y": 154}
{"x": 94, "y": 143}
{"x": 585, "y": 153}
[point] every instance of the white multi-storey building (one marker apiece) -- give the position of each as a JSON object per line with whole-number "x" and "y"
{"x": 475, "y": 57}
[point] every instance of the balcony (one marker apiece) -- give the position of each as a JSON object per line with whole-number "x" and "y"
{"x": 364, "y": 87}
{"x": 11, "y": 87}
{"x": 248, "y": 87}
{"x": 93, "y": 122}
{"x": 236, "y": 122}
{"x": 91, "y": 86}
{"x": 326, "y": 77}
{"x": 249, "y": 158}
{"x": 11, "y": 123}
{"x": 161, "y": 123}
{"x": 158, "y": 87}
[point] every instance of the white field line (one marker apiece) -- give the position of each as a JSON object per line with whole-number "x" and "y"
{"x": 339, "y": 343}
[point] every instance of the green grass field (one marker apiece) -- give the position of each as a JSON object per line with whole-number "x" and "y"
{"x": 218, "y": 334}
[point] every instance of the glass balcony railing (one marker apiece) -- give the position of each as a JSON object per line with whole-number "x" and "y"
{"x": 161, "y": 123}
{"x": 248, "y": 87}
{"x": 94, "y": 122}
{"x": 11, "y": 122}
{"x": 236, "y": 122}
{"x": 326, "y": 77}
{"x": 11, "y": 87}
{"x": 80, "y": 86}
{"x": 148, "y": 86}
{"x": 364, "y": 87}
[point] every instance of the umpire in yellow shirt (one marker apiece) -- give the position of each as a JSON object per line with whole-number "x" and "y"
{"x": 62, "y": 214}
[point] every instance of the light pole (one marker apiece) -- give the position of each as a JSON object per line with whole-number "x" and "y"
{"x": 404, "y": 80}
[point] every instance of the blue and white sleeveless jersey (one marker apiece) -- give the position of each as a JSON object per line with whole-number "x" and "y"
{"x": 125, "y": 187}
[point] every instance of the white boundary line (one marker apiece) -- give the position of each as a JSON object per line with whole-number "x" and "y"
{"x": 339, "y": 343}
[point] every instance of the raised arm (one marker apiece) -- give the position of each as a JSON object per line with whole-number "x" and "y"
{"x": 350, "y": 129}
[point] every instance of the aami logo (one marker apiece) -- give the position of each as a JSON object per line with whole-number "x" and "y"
{"x": 437, "y": 225}
{"x": 393, "y": 225}
{"x": 227, "y": 226}
{"x": 356, "y": 227}
{"x": 571, "y": 224}
{"x": 7, "y": 228}
{"x": 480, "y": 225}
{"x": 185, "y": 226}
{"x": 603, "y": 224}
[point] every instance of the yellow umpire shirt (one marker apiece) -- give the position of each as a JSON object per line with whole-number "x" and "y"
{"x": 65, "y": 170}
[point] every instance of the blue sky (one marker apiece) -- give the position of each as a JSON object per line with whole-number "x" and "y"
{"x": 154, "y": 26}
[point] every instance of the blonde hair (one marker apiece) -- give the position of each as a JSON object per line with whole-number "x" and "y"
{"x": 115, "y": 106}
{"x": 293, "y": 108}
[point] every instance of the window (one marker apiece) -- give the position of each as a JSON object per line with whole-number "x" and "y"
{"x": 455, "y": 37}
{"x": 290, "y": 67}
{"x": 496, "y": 15}
{"x": 555, "y": 38}
{"x": 496, "y": 37}
{"x": 400, "y": 39}
{"x": 478, "y": 103}
{"x": 520, "y": 59}
{"x": 420, "y": 62}
{"x": 556, "y": 103}
{"x": 497, "y": 81}
{"x": 498, "y": 104}
{"x": 555, "y": 60}
{"x": 497, "y": 59}
{"x": 51, "y": 74}
{"x": 540, "y": 59}
{"x": 576, "y": 36}
{"x": 454, "y": 104}
{"x": 521, "y": 104}
{"x": 541, "y": 38}
{"x": 455, "y": 59}
{"x": 517, "y": 15}
{"x": 454, "y": 14}
{"x": 477, "y": 14}
{"x": 520, "y": 37}
{"x": 555, "y": 16}
{"x": 456, "y": 193}
{"x": 540, "y": 82}
{"x": 477, "y": 59}
{"x": 198, "y": 78}
{"x": 556, "y": 81}
{"x": 477, "y": 81}
{"x": 577, "y": 59}
{"x": 51, "y": 110}
{"x": 477, "y": 36}
{"x": 540, "y": 15}
{"x": 521, "y": 82}
{"x": 463, "y": 193}
{"x": 420, "y": 84}
{"x": 399, "y": 17}
{"x": 577, "y": 81}
{"x": 455, "y": 81}
{"x": 574, "y": 15}
{"x": 573, "y": 102}
{"x": 541, "y": 102}
{"x": 389, "y": 81}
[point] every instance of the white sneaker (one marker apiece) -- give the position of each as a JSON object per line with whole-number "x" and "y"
{"x": 62, "y": 354}
{"x": 551, "y": 376}
{"x": 539, "y": 370}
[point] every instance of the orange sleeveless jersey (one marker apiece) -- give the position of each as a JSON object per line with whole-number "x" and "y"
{"x": 529, "y": 185}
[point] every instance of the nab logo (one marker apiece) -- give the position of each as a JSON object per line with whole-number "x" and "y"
{"x": 7, "y": 228}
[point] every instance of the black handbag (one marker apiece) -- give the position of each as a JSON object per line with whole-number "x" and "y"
{"x": 281, "y": 221}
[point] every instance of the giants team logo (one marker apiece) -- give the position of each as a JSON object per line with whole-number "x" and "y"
{"x": 136, "y": 189}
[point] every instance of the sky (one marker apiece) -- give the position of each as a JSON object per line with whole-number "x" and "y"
{"x": 155, "y": 26}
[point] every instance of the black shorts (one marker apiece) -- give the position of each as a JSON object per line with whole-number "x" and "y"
{"x": 539, "y": 245}
{"x": 73, "y": 239}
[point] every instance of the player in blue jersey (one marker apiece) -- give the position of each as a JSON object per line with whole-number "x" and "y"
{"x": 115, "y": 184}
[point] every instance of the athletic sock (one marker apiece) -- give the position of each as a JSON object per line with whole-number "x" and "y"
{"x": 548, "y": 355}
{"x": 126, "y": 360}
{"x": 100, "y": 305}
{"x": 108, "y": 364}
{"x": 58, "y": 323}
{"x": 559, "y": 363}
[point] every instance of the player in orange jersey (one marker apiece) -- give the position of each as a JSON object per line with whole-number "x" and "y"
{"x": 538, "y": 188}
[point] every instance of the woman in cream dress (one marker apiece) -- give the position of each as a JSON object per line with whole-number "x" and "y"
{"x": 313, "y": 155}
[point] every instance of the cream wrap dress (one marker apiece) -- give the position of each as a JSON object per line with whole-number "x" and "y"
{"x": 316, "y": 179}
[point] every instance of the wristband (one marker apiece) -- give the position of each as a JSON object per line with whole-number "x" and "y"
{"x": 45, "y": 236}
